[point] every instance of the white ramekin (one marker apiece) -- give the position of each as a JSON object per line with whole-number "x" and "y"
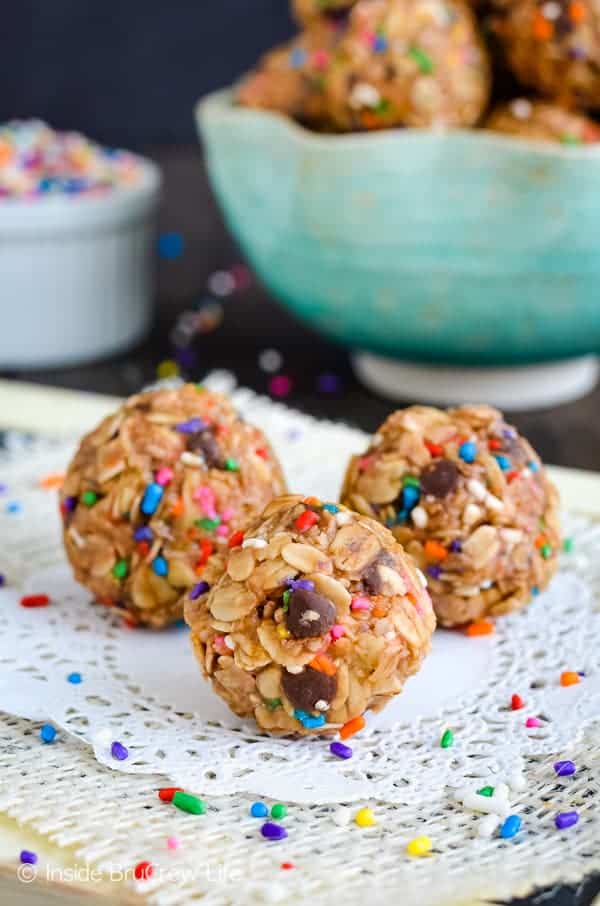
{"x": 77, "y": 274}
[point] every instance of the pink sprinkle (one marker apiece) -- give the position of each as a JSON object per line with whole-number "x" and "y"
{"x": 219, "y": 644}
{"x": 205, "y": 497}
{"x": 223, "y": 531}
{"x": 227, "y": 514}
{"x": 280, "y": 385}
{"x": 164, "y": 476}
{"x": 320, "y": 59}
{"x": 173, "y": 842}
{"x": 533, "y": 722}
{"x": 360, "y": 603}
{"x": 369, "y": 37}
{"x": 365, "y": 461}
{"x": 337, "y": 631}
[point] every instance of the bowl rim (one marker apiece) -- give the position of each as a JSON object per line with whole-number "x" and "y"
{"x": 218, "y": 104}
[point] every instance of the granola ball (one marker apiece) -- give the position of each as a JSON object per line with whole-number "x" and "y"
{"x": 408, "y": 63}
{"x": 289, "y": 79}
{"x": 553, "y": 47}
{"x": 319, "y": 616}
{"x": 154, "y": 493}
{"x": 541, "y": 121}
{"x": 469, "y": 499}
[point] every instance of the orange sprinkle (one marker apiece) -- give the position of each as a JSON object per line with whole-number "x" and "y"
{"x": 540, "y": 541}
{"x": 199, "y": 567}
{"x": 262, "y": 452}
{"x": 569, "y": 678}
{"x": 379, "y": 611}
{"x": 434, "y": 449}
{"x": 577, "y": 11}
{"x": 324, "y": 665}
{"x": 353, "y": 726}
{"x": 480, "y": 627}
{"x": 543, "y": 29}
{"x": 311, "y": 501}
{"x": 177, "y": 508}
{"x": 52, "y": 480}
{"x": 435, "y": 551}
{"x": 369, "y": 120}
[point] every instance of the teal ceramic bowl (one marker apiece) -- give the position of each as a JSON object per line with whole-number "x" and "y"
{"x": 462, "y": 247}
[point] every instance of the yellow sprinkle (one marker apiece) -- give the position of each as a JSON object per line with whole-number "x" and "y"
{"x": 167, "y": 369}
{"x": 282, "y": 632}
{"x": 365, "y": 817}
{"x": 420, "y": 846}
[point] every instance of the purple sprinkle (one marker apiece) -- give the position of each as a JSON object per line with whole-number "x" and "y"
{"x": 2, "y": 580}
{"x": 273, "y": 831}
{"x": 507, "y": 432}
{"x": 581, "y": 673}
{"x": 192, "y": 426}
{"x": 27, "y": 857}
{"x": 119, "y": 751}
{"x": 456, "y": 546}
{"x": 200, "y": 588}
{"x": 329, "y": 383}
{"x": 566, "y": 819}
{"x": 577, "y": 53}
{"x": 340, "y": 750}
{"x": 186, "y": 358}
{"x": 144, "y": 533}
{"x": 69, "y": 503}
{"x": 304, "y": 584}
{"x": 3, "y": 487}
{"x": 564, "y": 768}
{"x": 434, "y": 571}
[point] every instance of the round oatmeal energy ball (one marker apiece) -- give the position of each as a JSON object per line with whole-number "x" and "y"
{"x": 318, "y": 617}
{"x": 154, "y": 493}
{"x": 541, "y": 121}
{"x": 553, "y": 46}
{"x": 408, "y": 63}
{"x": 469, "y": 499}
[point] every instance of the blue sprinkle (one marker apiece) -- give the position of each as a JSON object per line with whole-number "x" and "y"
{"x": 511, "y": 827}
{"x": 2, "y": 580}
{"x": 47, "y": 733}
{"x": 402, "y": 516}
{"x": 160, "y": 566}
{"x": 297, "y": 58}
{"x": 380, "y": 44}
{"x": 308, "y": 721}
{"x": 533, "y": 466}
{"x": 503, "y": 462}
{"x": 390, "y": 522}
{"x": 144, "y": 533}
{"x": 151, "y": 499}
{"x": 259, "y": 810}
{"x": 468, "y": 451}
{"x": 535, "y": 591}
{"x": 119, "y": 751}
{"x": 410, "y": 497}
{"x": 170, "y": 246}
{"x": 331, "y": 508}
{"x": 74, "y": 678}
{"x": 13, "y": 506}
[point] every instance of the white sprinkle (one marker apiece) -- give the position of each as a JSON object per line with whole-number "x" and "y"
{"x": 221, "y": 283}
{"x": 488, "y": 825}
{"x": 364, "y": 95}
{"x": 256, "y": 543}
{"x": 321, "y": 705}
{"x": 376, "y": 440}
{"x": 342, "y": 518}
{"x": 229, "y": 642}
{"x": 511, "y": 536}
{"x": 272, "y": 892}
{"x": 419, "y": 517}
{"x": 476, "y": 488}
{"x": 342, "y": 816}
{"x": 521, "y": 108}
{"x": 190, "y": 459}
{"x": 501, "y": 791}
{"x": 486, "y": 804}
{"x": 294, "y": 669}
{"x": 422, "y": 578}
{"x": 390, "y": 635}
{"x": 551, "y": 11}
{"x": 526, "y": 473}
{"x": 270, "y": 360}
{"x": 517, "y": 782}
{"x": 487, "y": 583}
{"x": 472, "y": 513}
{"x": 77, "y": 539}
{"x": 493, "y": 503}
{"x": 467, "y": 591}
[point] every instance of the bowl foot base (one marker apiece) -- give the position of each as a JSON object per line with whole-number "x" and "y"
{"x": 520, "y": 387}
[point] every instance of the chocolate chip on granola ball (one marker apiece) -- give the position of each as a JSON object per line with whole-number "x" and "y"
{"x": 309, "y": 615}
{"x": 372, "y": 578}
{"x": 440, "y": 478}
{"x": 204, "y": 442}
{"x": 305, "y": 689}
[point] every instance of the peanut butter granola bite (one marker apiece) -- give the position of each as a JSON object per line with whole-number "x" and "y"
{"x": 318, "y": 617}
{"x": 154, "y": 493}
{"x": 540, "y": 121}
{"x": 469, "y": 499}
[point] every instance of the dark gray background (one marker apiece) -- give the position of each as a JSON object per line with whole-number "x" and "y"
{"x": 128, "y": 72}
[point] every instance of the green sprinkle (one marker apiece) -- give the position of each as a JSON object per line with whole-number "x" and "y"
{"x": 188, "y": 803}
{"x": 568, "y": 545}
{"x": 286, "y": 599}
{"x": 447, "y": 739}
{"x": 89, "y": 498}
{"x": 273, "y": 703}
{"x": 279, "y": 811}
{"x": 120, "y": 569}
{"x": 424, "y": 62}
{"x": 200, "y": 388}
{"x": 546, "y": 551}
{"x": 411, "y": 481}
{"x": 208, "y": 524}
{"x": 486, "y": 791}
{"x": 382, "y": 107}
{"x": 232, "y": 465}
{"x": 569, "y": 139}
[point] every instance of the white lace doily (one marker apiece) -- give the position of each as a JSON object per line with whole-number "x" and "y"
{"x": 144, "y": 689}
